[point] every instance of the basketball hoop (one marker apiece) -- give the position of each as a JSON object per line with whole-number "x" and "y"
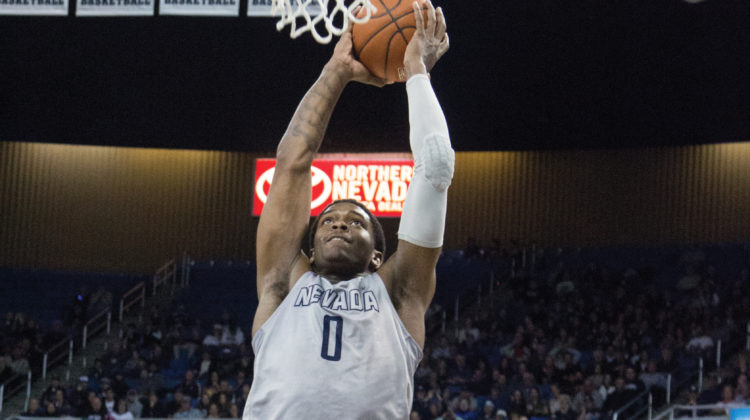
{"x": 314, "y": 15}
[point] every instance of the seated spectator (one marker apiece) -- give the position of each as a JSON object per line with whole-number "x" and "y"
{"x": 51, "y": 410}
{"x": 213, "y": 411}
{"x": 189, "y": 385}
{"x": 62, "y": 407}
{"x": 651, "y": 377}
{"x": 517, "y": 406}
{"x": 114, "y": 358}
{"x": 96, "y": 409}
{"x": 234, "y": 411}
{"x": 185, "y": 410}
{"x": 488, "y": 411}
{"x": 121, "y": 411}
{"x": 153, "y": 407}
{"x": 174, "y": 406}
{"x": 448, "y": 414}
{"x": 49, "y": 394}
{"x": 616, "y": 399}
{"x": 204, "y": 403}
{"x": 133, "y": 365}
{"x": 535, "y": 406}
{"x": 109, "y": 398}
{"x": 241, "y": 394}
{"x": 232, "y": 335}
{"x": 463, "y": 409}
{"x": 742, "y": 388}
{"x": 78, "y": 396}
{"x": 585, "y": 393}
{"x": 213, "y": 339}
{"x": 566, "y": 412}
{"x": 589, "y": 411}
{"x": 205, "y": 367}
{"x": 468, "y": 333}
{"x": 728, "y": 400}
{"x": 633, "y": 383}
{"x": 119, "y": 386}
{"x": 700, "y": 342}
{"x": 555, "y": 400}
{"x": 134, "y": 403}
{"x": 96, "y": 373}
{"x": 34, "y": 409}
{"x": 214, "y": 383}
{"x": 150, "y": 381}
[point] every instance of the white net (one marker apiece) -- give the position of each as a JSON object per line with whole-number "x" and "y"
{"x": 322, "y": 20}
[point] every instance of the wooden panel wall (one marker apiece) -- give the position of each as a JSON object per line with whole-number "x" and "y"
{"x": 106, "y": 208}
{"x": 129, "y": 209}
{"x": 657, "y": 195}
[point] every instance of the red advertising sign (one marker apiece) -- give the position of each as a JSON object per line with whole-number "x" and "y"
{"x": 380, "y": 184}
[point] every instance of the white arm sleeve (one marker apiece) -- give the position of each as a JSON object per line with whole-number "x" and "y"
{"x": 423, "y": 217}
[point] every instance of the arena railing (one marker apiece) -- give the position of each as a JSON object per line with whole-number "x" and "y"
{"x": 101, "y": 321}
{"x": 672, "y": 388}
{"x": 57, "y": 353}
{"x": 132, "y": 297}
{"x": 13, "y": 385}
{"x": 166, "y": 275}
{"x": 702, "y": 412}
{"x": 636, "y": 410}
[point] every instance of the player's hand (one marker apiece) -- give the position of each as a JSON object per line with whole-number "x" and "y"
{"x": 343, "y": 61}
{"x": 429, "y": 42}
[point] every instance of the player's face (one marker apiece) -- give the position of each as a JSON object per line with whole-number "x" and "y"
{"x": 344, "y": 242}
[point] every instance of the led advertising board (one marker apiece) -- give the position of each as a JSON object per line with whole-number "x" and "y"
{"x": 380, "y": 184}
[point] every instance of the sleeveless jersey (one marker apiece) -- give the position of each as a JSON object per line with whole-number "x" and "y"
{"x": 333, "y": 351}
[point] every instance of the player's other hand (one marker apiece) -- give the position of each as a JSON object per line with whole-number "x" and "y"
{"x": 343, "y": 61}
{"x": 430, "y": 40}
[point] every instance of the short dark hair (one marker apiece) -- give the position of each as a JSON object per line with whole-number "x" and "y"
{"x": 377, "y": 228}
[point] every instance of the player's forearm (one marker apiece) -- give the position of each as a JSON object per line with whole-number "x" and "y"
{"x": 304, "y": 135}
{"x": 426, "y": 117}
{"x": 423, "y": 219}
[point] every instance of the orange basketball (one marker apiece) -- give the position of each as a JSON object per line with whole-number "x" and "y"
{"x": 380, "y": 42}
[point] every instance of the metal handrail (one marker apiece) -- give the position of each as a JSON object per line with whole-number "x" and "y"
{"x": 669, "y": 412}
{"x": 166, "y": 272}
{"x": 630, "y": 403}
{"x": 141, "y": 298}
{"x": 56, "y": 357}
{"x": 90, "y": 329}
{"x": 8, "y": 390}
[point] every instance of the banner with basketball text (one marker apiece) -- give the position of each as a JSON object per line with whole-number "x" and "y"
{"x": 114, "y": 7}
{"x": 200, "y": 7}
{"x": 34, "y": 7}
{"x": 262, "y": 8}
{"x": 380, "y": 184}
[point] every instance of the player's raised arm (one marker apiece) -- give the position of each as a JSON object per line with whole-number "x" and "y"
{"x": 287, "y": 210}
{"x": 410, "y": 272}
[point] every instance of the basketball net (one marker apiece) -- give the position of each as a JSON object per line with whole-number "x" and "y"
{"x": 314, "y": 16}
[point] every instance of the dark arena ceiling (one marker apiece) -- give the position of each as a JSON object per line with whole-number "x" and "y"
{"x": 521, "y": 74}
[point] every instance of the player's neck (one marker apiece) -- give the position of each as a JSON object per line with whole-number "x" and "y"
{"x": 335, "y": 276}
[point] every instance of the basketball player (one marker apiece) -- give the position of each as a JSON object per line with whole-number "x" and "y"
{"x": 338, "y": 334}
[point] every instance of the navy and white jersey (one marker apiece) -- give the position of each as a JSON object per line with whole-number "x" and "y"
{"x": 333, "y": 351}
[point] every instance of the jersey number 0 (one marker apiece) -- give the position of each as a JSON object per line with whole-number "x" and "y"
{"x": 331, "y": 351}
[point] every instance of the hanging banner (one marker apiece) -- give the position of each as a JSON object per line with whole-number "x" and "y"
{"x": 34, "y": 7}
{"x": 262, "y": 8}
{"x": 379, "y": 184}
{"x": 114, "y": 7}
{"x": 199, "y": 7}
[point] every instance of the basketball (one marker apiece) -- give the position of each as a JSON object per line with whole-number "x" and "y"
{"x": 380, "y": 42}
